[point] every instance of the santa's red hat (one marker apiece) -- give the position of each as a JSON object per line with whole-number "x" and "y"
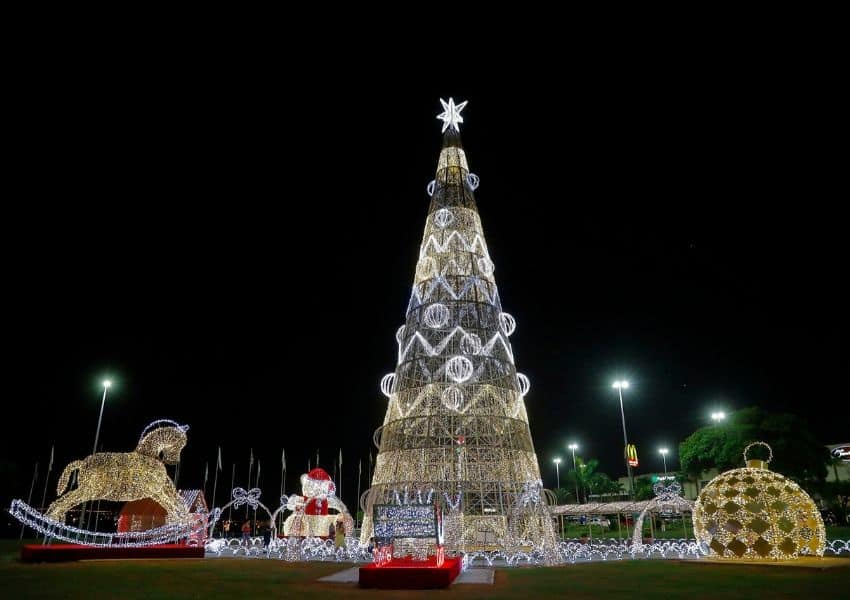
{"x": 321, "y": 476}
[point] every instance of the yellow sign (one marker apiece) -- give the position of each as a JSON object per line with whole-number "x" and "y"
{"x": 631, "y": 455}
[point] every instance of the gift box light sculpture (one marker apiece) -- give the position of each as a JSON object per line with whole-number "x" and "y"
{"x": 456, "y": 419}
{"x": 755, "y": 514}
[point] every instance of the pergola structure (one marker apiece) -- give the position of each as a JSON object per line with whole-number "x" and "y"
{"x": 663, "y": 503}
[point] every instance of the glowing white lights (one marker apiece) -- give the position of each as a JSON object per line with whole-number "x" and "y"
{"x": 459, "y": 368}
{"x": 443, "y": 218}
{"x": 457, "y": 392}
{"x": 497, "y": 341}
{"x": 452, "y": 397}
{"x": 485, "y": 265}
{"x": 524, "y": 384}
{"x": 387, "y": 384}
{"x": 451, "y": 114}
{"x": 107, "y": 383}
{"x": 436, "y": 315}
{"x": 718, "y": 416}
{"x": 432, "y": 244}
{"x": 470, "y": 343}
{"x": 507, "y": 322}
{"x": 620, "y": 385}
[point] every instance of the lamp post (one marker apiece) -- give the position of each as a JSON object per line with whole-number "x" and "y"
{"x": 557, "y": 462}
{"x": 106, "y": 383}
{"x": 718, "y": 416}
{"x": 620, "y": 386}
{"x": 573, "y": 448}
{"x": 663, "y": 452}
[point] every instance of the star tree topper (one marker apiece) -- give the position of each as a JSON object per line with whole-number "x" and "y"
{"x": 451, "y": 114}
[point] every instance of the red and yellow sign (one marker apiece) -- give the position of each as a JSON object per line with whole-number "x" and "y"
{"x": 631, "y": 455}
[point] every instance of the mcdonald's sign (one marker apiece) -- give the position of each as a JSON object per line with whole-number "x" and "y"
{"x": 631, "y": 455}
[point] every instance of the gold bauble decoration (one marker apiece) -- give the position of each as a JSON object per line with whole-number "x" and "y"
{"x": 755, "y": 514}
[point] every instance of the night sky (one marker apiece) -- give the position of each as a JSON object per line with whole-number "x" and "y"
{"x": 237, "y": 252}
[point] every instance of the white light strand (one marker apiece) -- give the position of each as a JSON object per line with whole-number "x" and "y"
{"x": 452, "y": 397}
{"x": 443, "y": 218}
{"x": 459, "y": 368}
{"x": 451, "y": 114}
{"x": 436, "y": 315}
{"x": 524, "y": 384}
{"x": 508, "y": 323}
{"x": 387, "y": 384}
{"x": 436, "y": 350}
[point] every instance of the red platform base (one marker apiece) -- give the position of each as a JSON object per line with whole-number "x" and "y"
{"x": 406, "y": 574}
{"x": 70, "y": 552}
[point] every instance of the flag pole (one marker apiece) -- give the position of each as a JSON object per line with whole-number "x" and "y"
{"x": 206, "y": 477}
{"x": 29, "y": 498}
{"x": 250, "y": 468}
{"x": 357, "y": 500}
{"x": 232, "y": 483}
{"x": 215, "y": 479}
{"x": 46, "y": 480}
{"x": 256, "y": 486}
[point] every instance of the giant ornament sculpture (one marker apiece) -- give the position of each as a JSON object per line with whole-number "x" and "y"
{"x": 127, "y": 476}
{"x": 755, "y": 514}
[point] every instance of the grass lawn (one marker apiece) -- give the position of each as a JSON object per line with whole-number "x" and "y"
{"x": 239, "y": 578}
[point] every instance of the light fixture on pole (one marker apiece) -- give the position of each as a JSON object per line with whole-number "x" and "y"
{"x": 106, "y": 383}
{"x": 573, "y": 447}
{"x": 557, "y": 462}
{"x": 663, "y": 452}
{"x": 718, "y": 416}
{"x": 620, "y": 386}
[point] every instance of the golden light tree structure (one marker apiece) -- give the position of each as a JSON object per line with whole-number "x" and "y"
{"x": 456, "y": 422}
{"x": 128, "y": 476}
{"x": 753, "y": 513}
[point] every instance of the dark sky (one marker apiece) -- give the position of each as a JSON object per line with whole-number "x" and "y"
{"x": 235, "y": 246}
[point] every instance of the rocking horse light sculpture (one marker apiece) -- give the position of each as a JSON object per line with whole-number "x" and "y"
{"x": 120, "y": 477}
{"x": 128, "y": 476}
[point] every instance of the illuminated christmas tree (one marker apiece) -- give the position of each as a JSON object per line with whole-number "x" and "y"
{"x": 456, "y": 420}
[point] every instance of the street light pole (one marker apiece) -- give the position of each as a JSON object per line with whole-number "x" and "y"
{"x": 573, "y": 448}
{"x": 663, "y": 452}
{"x": 557, "y": 462}
{"x": 106, "y": 385}
{"x": 619, "y": 386}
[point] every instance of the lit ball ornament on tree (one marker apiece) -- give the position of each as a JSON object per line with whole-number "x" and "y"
{"x": 755, "y": 514}
{"x": 485, "y": 265}
{"x": 387, "y": 384}
{"x": 470, "y": 343}
{"x": 443, "y": 218}
{"x": 436, "y": 315}
{"x": 452, "y": 397}
{"x": 524, "y": 384}
{"x": 507, "y": 322}
{"x": 459, "y": 368}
